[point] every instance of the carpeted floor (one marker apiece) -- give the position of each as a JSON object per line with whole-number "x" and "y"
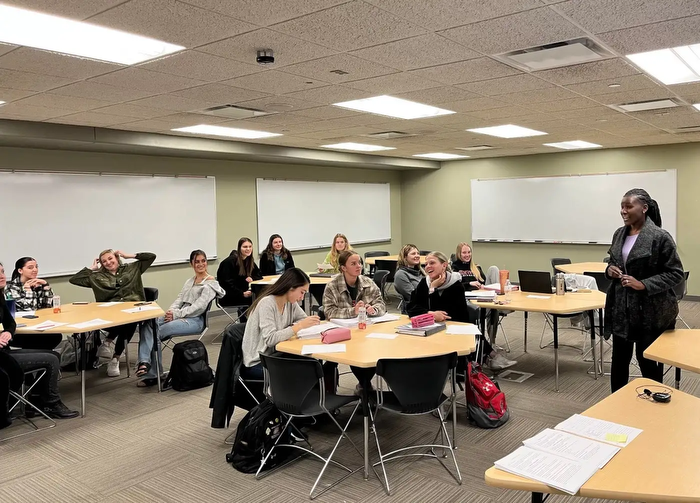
{"x": 138, "y": 445}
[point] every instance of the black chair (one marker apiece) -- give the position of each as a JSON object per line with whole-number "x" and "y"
{"x": 372, "y": 267}
{"x": 681, "y": 289}
{"x": 379, "y": 278}
{"x": 151, "y": 293}
{"x": 390, "y": 266}
{"x": 417, "y": 386}
{"x": 559, "y": 261}
{"x": 305, "y": 396}
{"x": 423, "y": 253}
{"x": 21, "y": 400}
{"x": 169, "y": 342}
{"x": 601, "y": 280}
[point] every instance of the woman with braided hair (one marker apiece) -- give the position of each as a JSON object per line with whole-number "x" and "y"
{"x": 640, "y": 304}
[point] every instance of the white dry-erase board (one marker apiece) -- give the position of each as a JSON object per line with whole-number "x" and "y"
{"x": 564, "y": 209}
{"x": 308, "y": 214}
{"x": 65, "y": 220}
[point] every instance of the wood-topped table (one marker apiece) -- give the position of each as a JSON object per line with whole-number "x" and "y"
{"x": 258, "y": 285}
{"x": 581, "y": 267}
{"x": 393, "y": 258}
{"x": 72, "y": 314}
{"x": 659, "y": 466}
{"x": 364, "y": 353}
{"x": 678, "y": 348}
{"x": 555, "y": 306}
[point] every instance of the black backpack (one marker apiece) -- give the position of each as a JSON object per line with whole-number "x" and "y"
{"x": 255, "y": 436}
{"x": 190, "y": 367}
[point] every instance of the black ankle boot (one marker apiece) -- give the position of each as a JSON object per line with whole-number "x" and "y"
{"x": 59, "y": 411}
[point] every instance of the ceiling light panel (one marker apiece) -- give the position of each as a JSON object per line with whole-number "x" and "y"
{"x": 74, "y": 38}
{"x": 572, "y": 145}
{"x": 507, "y": 131}
{"x": 394, "y": 107}
{"x": 679, "y": 65}
{"x": 361, "y": 147}
{"x": 441, "y": 156}
{"x": 231, "y": 132}
{"x": 646, "y": 105}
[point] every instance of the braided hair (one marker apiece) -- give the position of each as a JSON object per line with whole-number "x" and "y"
{"x": 653, "y": 211}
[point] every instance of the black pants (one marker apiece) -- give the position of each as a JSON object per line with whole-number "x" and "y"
{"x": 10, "y": 379}
{"x": 36, "y": 341}
{"x": 622, "y": 356}
{"x": 34, "y": 359}
{"x": 122, "y": 335}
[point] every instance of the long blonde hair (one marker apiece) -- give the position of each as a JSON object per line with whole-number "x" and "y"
{"x": 442, "y": 258}
{"x": 335, "y": 253}
{"x": 473, "y": 266}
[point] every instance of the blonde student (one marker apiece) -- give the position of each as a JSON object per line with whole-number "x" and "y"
{"x": 473, "y": 277}
{"x": 339, "y": 245}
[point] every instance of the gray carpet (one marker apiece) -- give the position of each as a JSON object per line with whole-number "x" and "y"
{"x": 138, "y": 445}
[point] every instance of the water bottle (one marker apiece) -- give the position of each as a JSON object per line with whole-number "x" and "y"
{"x": 362, "y": 318}
{"x": 560, "y": 283}
{"x": 508, "y": 289}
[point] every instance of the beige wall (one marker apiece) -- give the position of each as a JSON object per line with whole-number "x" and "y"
{"x": 235, "y": 193}
{"x": 436, "y": 206}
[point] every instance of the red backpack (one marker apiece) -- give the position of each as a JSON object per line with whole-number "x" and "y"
{"x": 486, "y": 403}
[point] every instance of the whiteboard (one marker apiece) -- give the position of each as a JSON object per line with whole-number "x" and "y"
{"x": 564, "y": 209}
{"x": 66, "y": 220}
{"x": 308, "y": 214}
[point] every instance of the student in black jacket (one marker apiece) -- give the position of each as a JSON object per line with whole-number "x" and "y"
{"x": 275, "y": 259}
{"x": 235, "y": 274}
{"x": 442, "y": 295}
{"x": 473, "y": 276}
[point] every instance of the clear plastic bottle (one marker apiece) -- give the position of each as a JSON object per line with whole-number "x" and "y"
{"x": 508, "y": 289}
{"x": 362, "y": 318}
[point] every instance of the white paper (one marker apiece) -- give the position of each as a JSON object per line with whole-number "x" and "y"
{"x": 45, "y": 325}
{"x": 308, "y": 349}
{"x": 496, "y": 287}
{"x": 555, "y": 471}
{"x": 140, "y": 308}
{"x": 315, "y": 331}
{"x": 270, "y": 281}
{"x": 91, "y": 323}
{"x": 108, "y": 304}
{"x": 463, "y": 330}
{"x": 324, "y": 266}
{"x": 538, "y": 296}
{"x": 572, "y": 447}
{"x": 383, "y": 318}
{"x": 376, "y": 335}
{"x": 20, "y": 314}
{"x": 597, "y": 429}
{"x": 481, "y": 294}
{"x": 346, "y": 322}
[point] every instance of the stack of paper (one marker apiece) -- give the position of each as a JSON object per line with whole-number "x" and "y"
{"x": 324, "y": 267}
{"x": 352, "y": 322}
{"x": 315, "y": 331}
{"x": 463, "y": 330}
{"x": 600, "y": 430}
{"x": 346, "y": 322}
{"x": 408, "y": 329}
{"x": 480, "y": 294}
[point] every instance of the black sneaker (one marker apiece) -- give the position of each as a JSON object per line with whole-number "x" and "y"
{"x": 59, "y": 411}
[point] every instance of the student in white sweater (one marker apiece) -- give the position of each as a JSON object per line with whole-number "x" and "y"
{"x": 275, "y": 316}
{"x": 185, "y": 316}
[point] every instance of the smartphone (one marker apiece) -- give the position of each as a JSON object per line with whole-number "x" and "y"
{"x": 30, "y": 316}
{"x": 80, "y": 303}
{"x": 141, "y": 303}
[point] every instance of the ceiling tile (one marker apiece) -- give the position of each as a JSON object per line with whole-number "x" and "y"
{"x": 323, "y": 113}
{"x": 70, "y": 103}
{"x": 466, "y": 71}
{"x": 538, "y": 96}
{"x": 16, "y": 110}
{"x": 417, "y": 52}
{"x": 438, "y": 95}
{"x": 134, "y": 111}
{"x": 506, "y": 85}
{"x": 278, "y": 104}
{"x": 74, "y": 9}
{"x": 264, "y": 12}
{"x": 328, "y": 94}
{"x": 658, "y": 36}
{"x": 171, "y": 21}
{"x": 393, "y": 84}
{"x": 508, "y": 112}
{"x": 30, "y": 81}
{"x": 518, "y": 31}
{"x": 174, "y": 121}
{"x": 93, "y": 90}
{"x": 598, "y": 70}
{"x": 288, "y": 50}
{"x": 353, "y": 25}
{"x": 598, "y": 87}
{"x": 92, "y": 119}
{"x": 598, "y": 16}
{"x": 8, "y": 95}
{"x": 202, "y": 66}
{"x": 480, "y": 103}
{"x": 144, "y": 80}
{"x": 5, "y": 48}
{"x": 441, "y": 14}
{"x": 281, "y": 119}
{"x": 564, "y": 105}
{"x": 621, "y": 97}
{"x": 220, "y": 93}
{"x": 274, "y": 82}
{"x": 174, "y": 103}
{"x": 50, "y": 63}
{"x": 354, "y": 68}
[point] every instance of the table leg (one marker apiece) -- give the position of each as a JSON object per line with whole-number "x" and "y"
{"x": 83, "y": 363}
{"x": 601, "y": 328}
{"x": 678, "y": 378}
{"x": 482, "y": 320}
{"x": 591, "y": 318}
{"x": 156, "y": 342}
{"x": 538, "y": 498}
{"x": 454, "y": 407}
{"x": 525, "y": 334}
{"x": 556, "y": 351}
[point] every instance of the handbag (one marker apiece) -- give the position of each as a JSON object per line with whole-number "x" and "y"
{"x": 422, "y": 320}
{"x": 336, "y": 334}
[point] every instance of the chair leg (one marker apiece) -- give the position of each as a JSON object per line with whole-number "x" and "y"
{"x": 126, "y": 357}
{"x": 547, "y": 323}
{"x": 21, "y": 399}
{"x": 505, "y": 337}
{"x": 379, "y": 452}
{"x": 289, "y": 420}
{"x": 679, "y": 317}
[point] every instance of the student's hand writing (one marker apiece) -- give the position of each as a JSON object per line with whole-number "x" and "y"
{"x": 247, "y": 293}
{"x": 614, "y": 271}
{"x": 629, "y": 281}
{"x": 307, "y": 322}
{"x": 5, "y": 339}
{"x": 358, "y": 306}
{"x": 168, "y": 316}
{"x": 370, "y": 310}
{"x": 439, "y": 315}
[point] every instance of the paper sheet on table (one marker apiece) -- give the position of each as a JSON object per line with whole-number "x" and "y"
{"x": 308, "y": 349}
{"x": 376, "y": 335}
{"x": 572, "y": 447}
{"x": 555, "y": 471}
{"x": 140, "y": 308}
{"x": 538, "y": 296}
{"x": 315, "y": 331}
{"x": 108, "y": 304}
{"x": 90, "y": 323}
{"x": 271, "y": 281}
{"x": 324, "y": 267}
{"x": 480, "y": 294}
{"x": 597, "y": 429}
{"x": 463, "y": 330}
{"x": 45, "y": 325}
{"x": 345, "y": 322}
{"x": 20, "y": 314}
{"x": 383, "y": 318}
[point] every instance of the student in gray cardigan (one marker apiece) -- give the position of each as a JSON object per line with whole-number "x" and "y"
{"x": 275, "y": 316}
{"x": 409, "y": 273}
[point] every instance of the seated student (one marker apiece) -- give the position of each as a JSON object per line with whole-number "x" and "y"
{"x": 409, "y": 272}
{"x": 235, "y": 274}
{"x": 473, "y": 276}
{"x": 275, "y": 316}
{"x": 275, "y": 259}
{"x": 111, "y": 280}
{"x": 340, "y": 244}
{"x": 185, "y": 316}
{"x": 442, "y": 295}
{"x": 33, "y": 359}
{"x": 31, "y": 293}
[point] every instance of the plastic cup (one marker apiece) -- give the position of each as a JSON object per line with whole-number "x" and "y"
{"x": 503, "y": 276}
{"x": 56, "y": 304}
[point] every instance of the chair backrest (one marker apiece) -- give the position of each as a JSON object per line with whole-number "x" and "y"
{"x": 205, "y": 315}
{"x": 682, "y": 288}
{"x": 387, "y": 265}
{"x": 290, "y": 395}
{"x": 377, "y": 254}
{"x": 559, "y": 261}
{"x": 151, "y": 293}
{"x": 379, "y": 276}
{"x": 417, "y": 383}
{"x": 423, "y": 253}
{"x": 600, "y": 280}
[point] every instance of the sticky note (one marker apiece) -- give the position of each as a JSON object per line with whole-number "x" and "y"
{"x": 616, "y": 437}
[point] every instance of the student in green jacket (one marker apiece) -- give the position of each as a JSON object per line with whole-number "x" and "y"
{"x": 111, "y": 280}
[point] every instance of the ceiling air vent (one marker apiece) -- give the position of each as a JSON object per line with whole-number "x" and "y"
{"x": 687, "y": 129}
{"x": 544, "y": 57}
{"x": 643, "y": 106}
{"x": 389, "y": 135}
{"x": 234, "y": 112}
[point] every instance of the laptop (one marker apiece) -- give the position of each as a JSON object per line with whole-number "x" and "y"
{"x": 535, "y": 281}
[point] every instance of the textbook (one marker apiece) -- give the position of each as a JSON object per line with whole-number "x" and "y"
{"x": 408, "y": 329}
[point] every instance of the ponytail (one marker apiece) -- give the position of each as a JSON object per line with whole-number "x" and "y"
{"x": 653, "y": 211}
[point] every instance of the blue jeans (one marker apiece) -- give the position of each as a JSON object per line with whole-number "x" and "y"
{"x": 165, "y": 331}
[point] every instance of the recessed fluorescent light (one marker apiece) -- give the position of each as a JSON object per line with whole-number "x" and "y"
{"x": 475, "y": 148}
{"x": 76, "y": 38}
{"x": 507, "y": 131}
{"x": 393, "y": 107}
{"x": 696, "y": 106}
{"x": 441, "y": 156}
{"x": 363, "y": 147}
{"x": 671, "y": 66}
{"x": 572, "y": 145}
{"x": 2, "y": 102}
{"x": 646, "y": 105}
{"x": 231, "y": 132}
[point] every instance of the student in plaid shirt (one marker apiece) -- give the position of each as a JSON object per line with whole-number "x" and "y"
{"x": 31, "y": 293}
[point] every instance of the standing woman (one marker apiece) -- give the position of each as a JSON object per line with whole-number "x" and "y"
{"x": 340, "y": 244}
{"x": 275, "y": 259}
{"x": 31, "y": 293}
{"x": 409, "y": 274}
{"x": 236, "y": 273}
{"x": 640, "y": 304}
{"x": 473, "y": 276}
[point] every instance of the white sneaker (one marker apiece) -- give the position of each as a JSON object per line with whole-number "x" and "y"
{"x": 113, "y": 368}
{"x": 106, "y": 350}
{"x": 500, "y": 362}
